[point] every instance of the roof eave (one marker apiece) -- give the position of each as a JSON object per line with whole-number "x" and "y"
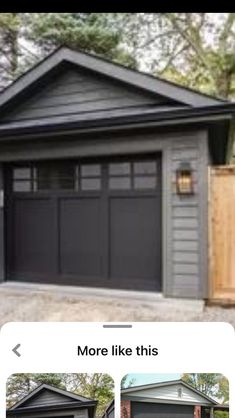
{"x": 169, "y": 383}
{"x": 67, "y": 406}
{"x": 214, "y": 113}
{"x": 166, "y": 401}
{"x": 44, "y": 386}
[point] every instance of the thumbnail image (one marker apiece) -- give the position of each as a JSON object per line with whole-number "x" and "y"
{"x": 188, "y": 395}
{"x": 75, "y": 395}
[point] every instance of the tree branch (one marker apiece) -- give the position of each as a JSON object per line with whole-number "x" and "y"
{"x": 190, "y": 41}
{"x": 172, "y": 58}
{"x": 226, "y": 31}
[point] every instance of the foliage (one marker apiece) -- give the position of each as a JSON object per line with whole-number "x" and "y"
{"x": 126, "y": 382}
{"x": 223, "y": 391}
{"x": 197, "y": 49}
{"x": 25, "y": 38}
{"x": 193, "y": 49}
{"x": 93, "y": 32}
{"x": 204, "y": 382}
{"x": 221, "y": 414}
{"x": 211, "y": 384}
{"x": 95, "y": 386}
{"x": 9, "y": 30}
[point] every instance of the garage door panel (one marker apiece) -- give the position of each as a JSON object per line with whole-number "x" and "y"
{"x": 157, "y": 410}
{"x": 134, "y": 239}
{"x": 80, "y": 237}
{"x": 89, "y": 222}
{"x": 33, "y": 231}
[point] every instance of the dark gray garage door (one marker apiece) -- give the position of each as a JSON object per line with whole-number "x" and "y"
{"x": 155, "y": 410}
{"x": 86, "y": 223}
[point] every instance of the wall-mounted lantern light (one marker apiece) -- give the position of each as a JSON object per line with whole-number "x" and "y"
{"x": 184, "y": 179}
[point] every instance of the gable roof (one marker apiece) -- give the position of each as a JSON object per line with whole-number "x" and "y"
{"x": 106, "y": 68}
{"x": 62, "y": 397}
{"x": 135, "y": 389}
{"x": 27, "y": 110}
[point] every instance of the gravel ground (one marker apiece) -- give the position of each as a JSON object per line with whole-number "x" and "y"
{"x": 19, "y": 305}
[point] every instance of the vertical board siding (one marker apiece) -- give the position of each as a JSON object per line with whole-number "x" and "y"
{"x": 185, "y": 223}
{"x": 222, "y": 233}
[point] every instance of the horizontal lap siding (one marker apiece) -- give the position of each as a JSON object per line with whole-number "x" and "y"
{"x": 47, "y": 397}
{"x": 77, "y": 92}
{"x": 170, "y": 393}
{"x": 186, "y": 224}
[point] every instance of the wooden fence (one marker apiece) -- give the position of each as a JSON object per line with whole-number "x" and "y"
{"x": 222, "y": 233}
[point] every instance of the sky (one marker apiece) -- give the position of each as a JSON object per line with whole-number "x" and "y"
{"x": 146, "y": 378}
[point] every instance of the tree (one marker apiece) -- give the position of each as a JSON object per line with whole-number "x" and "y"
{"x": 95, "y": 386}
{"x": 126, "y": 382}
{"x": 25, "y": 38}
{"x": 99, "y": 33}
{"x": 9, "y": 32}
{"x": 195, "y": 49}
{"x": 211, "y": 384}
{"x": 19, "y": 385}
{"x": 223, "y": 391}
{"x": 206, "y": 383}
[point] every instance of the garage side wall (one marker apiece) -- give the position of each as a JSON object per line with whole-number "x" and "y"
{"x": 186, "y": 264}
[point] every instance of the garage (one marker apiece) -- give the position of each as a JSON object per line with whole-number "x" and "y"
{"x": 104, "y": 177}
{"x": 86, "y": 222}
{"x": 153, "y": 410}
{"x": 168, "y": 399}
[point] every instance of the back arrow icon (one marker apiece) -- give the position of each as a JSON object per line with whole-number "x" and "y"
{"x": 15, "y": 350}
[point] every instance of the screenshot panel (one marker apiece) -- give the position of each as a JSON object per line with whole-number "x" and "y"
{"x": 121, "y": 370}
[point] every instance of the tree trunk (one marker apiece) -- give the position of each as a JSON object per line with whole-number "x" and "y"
{"x": 14, "y": 50}
{"x": 223, "y": 84}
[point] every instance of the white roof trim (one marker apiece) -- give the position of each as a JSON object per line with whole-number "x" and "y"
{"x": 162, "y": 384}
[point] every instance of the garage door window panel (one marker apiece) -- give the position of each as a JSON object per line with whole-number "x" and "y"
{"x": 56, "y": 177}
{"x": 22, "y": 186}
{"x": 119, "y": 176}
{"x": 145, "y": 175}
{"x": 145, "y": 167}
{"x": 141, "y": 175}
{"x": 90, "y": 177}
{"x": 22, "y": 179}
{"x": 44, "y": 177}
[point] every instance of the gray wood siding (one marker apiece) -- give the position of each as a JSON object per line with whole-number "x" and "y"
{"x": 47, "y": 397}
{"x": 184, "y": 220}
{"x": 188, "y": 236}
{"x": 79, "y": 92}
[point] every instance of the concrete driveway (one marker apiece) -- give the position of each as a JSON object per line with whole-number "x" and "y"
{"x": 29, "y": 302}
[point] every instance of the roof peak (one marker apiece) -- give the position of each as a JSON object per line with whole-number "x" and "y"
{"x": 168, "y": 383}
{"x": 140, "y": 80}
{"x": 45, "y": 386}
